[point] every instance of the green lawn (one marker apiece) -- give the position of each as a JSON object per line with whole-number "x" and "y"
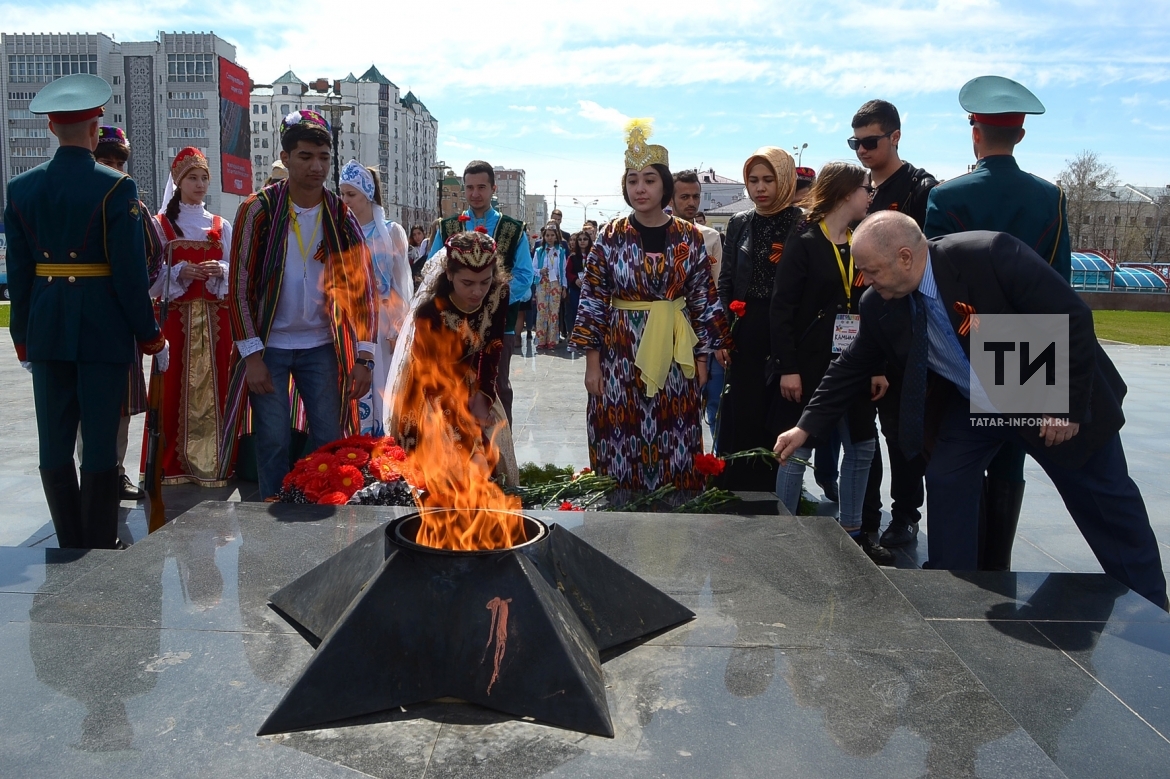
{"x": 5, "y": 312}
{"x": 1149, "y": 328}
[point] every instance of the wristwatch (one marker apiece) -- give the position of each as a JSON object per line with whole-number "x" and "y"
{"x": 367, "y": 364}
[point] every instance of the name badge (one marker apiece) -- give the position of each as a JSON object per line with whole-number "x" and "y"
{"x": 845, "y": 329}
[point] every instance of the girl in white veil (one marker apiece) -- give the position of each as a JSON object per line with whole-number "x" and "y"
{"x": 448, "y": 353}
{"x": 362, "y": 192}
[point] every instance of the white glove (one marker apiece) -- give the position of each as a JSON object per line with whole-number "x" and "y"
{"x": 163, "y": 358}
{"x": 26, "y": 365}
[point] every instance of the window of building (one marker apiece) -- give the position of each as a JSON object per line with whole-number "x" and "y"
{"x": 117, "y": 80}
{"x": 264, "y": 126}
{"x": 1133, "y": 220}
{"x": 352, "y": 144}
{"x": 255, "y": 127}
{"x": 1117, "y": 219}
{"x": 190, "y": 67}
{"x": 256, "y": 143}
{"x": 21, "y": 95}
{"x": 188, "y": 132}
{"x": 264, "y": 143}
{"x": 21, "y": 113}
{"x": 353, "y": 127}
{"x": 190, "y": 96}
{"x": 23, "y": 68}
{"x": 117, "y": 99}
{"x": 117, "y": 118}
{"x": 284, "y": 110}
{"x": 263, "y": 109}
{"x": 256, "y": 109}
{"x": 259, "y": 160}
{"x": 28, "y": 132}
{"x": 284, "y": 90}
{"x": 1088, "y": 219}
{"x": 186, "y": 113}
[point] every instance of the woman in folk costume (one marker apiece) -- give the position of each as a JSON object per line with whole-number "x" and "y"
{"x": 362, "y": 192}
{"x": 649, "y": 319}
{"x": 443, "y": 376}
{"x": 197, "y": 327}
{"x": 549, "y": 266}
{"x": 754, "y": 245}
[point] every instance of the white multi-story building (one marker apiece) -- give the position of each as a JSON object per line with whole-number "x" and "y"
{"x": 510, "y": 193}
{"x": 166, "y": 96}
{"x": 536, "y": 208}
{"x": 376, "y": 126}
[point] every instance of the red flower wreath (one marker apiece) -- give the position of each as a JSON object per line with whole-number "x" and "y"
{"x": 352, "y": 455}
{"x": 348, "y": 480}
{"x": 709, "y": 465}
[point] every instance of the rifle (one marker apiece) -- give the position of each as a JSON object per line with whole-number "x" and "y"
{"x": 156, "y": 510}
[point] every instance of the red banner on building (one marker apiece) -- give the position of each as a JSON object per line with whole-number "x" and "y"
{"x": 235, "y": 134}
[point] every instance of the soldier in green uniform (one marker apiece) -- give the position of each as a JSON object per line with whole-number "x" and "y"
{"x": 77, "y": 272}
{"x": 998, "y": 196}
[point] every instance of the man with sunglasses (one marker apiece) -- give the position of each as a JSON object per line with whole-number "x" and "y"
{"x": 1000, "y": 197}
{"x": 897, "y": 186}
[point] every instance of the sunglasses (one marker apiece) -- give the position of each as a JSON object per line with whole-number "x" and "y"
{"x": 869, "y": 143}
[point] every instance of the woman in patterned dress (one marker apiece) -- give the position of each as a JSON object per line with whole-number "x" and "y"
{"x": 197, "y": 327}
{"x": 648, "y": 320}
{"x": 549, "y": 265}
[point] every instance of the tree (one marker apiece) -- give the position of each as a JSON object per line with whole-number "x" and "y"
{"x": 1083, "y": 177}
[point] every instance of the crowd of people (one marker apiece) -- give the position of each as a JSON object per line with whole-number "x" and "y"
{"x": 840, "y": 300}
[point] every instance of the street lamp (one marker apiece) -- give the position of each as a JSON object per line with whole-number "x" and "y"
{"x": 439, "y": 166}
{"x": 586, "y": 207}
{"x": 554, "y": 194}
{"x": 798, "y": 152}
{"x": 336, "y": 110}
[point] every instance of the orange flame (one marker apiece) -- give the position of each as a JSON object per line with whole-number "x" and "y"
{"x": 461, "y": 507}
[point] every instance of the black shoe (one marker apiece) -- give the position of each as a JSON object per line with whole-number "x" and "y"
{"x": 64, "y": 498}
{"x": 130, "y": 491}
{"x": 899, "y": 534}
{"x": 832, "y": 494}
{"x": 879, "y": 554}
{"x": 99, "y": 508}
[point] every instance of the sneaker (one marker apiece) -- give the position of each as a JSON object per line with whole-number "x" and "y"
{"x": 832, "y": 494}
{"x": 899, "y": 534}
{"x": 879, "y": 554}
{"x": 130, "y": 491}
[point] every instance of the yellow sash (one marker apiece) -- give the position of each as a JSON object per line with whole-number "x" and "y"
{"x": 668, "y": 337}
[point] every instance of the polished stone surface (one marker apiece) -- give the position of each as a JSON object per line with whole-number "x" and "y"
{"x": 1079, "y": 661}
{"x": 804, "y": 660}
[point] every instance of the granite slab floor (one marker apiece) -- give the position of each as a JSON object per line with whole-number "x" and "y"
{"x": 804, "y": 660}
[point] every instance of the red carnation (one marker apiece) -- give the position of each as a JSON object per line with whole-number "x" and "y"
{"x": 351, "y": 455}
{"x": 709, "y": 464}
{"x": 568, "y": 506}
{"x": 347, "y": 479}
{"x": 383, "y": 469}
{"x": 214, "y": 235}
{"x": 464, "y": 218}
{"x": 738, "y": 307}
{"x": 333, "y": 499}
{"x": 481, "y": 229}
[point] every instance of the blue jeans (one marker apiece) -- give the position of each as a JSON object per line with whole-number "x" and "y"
{"x": 825, "y": 459}
{"x": 315, "y": 372}
{"x": 854, "y": 475}
{"x": 713, "y": 390}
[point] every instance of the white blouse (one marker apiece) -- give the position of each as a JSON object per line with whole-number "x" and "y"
{"x": 195, "y": 222}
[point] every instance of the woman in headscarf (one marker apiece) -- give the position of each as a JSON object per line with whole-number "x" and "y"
{"x": 198, "y": 327}
{"x": 442, "y": 379}
{"x": 362, "y": 192}
{"x": 648, "y": 320}
{"x": 753, "y": 247}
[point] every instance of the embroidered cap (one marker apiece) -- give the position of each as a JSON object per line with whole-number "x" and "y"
{"x": 113, "y": 135}
{"x": 311, "y": 118}
{"x": 187, "y": 160}
{"x": 806, "y": 174}
{"x": 475, "y": 249}
{"x": 639, "y": 153}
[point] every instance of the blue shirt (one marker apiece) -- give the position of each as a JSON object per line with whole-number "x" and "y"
{"x": 944, "y": 354}
{"x": 522, "y": 273}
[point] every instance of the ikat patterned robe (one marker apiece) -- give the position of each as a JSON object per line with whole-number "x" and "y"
{"x": 646, "y": 443}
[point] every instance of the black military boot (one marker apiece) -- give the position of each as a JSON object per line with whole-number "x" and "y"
{"x": 1002, "y": 501}
{"x": 64, "y": 499}
{"x": 101, "y": 496}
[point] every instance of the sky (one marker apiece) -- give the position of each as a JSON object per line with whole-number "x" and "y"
{"x": 548, "y": 86}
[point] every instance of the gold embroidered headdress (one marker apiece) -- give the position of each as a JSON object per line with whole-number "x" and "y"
{"x": 640, "y": 154}
{"x": 475, "y": 249}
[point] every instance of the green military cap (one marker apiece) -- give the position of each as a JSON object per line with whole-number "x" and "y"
{"x": 998, "y": 101}
{"x": 72, "y": 99}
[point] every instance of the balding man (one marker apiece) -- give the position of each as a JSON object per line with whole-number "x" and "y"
{"x": 917, "y": 314}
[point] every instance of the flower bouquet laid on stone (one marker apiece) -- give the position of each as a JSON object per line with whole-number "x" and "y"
{"x": 563, "y": 489}
{"x": 359, "y": 470}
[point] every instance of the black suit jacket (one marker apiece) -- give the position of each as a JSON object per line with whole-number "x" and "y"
{"x": 996, "y": 274}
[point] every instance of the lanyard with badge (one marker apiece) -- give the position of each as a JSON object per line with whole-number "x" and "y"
{"x": 305, "y": 249}
{"x": 847, "y": 325}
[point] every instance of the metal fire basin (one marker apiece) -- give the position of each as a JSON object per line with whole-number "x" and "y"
{"x": 517, "y": 630}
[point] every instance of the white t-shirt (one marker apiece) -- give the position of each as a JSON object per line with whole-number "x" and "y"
{"x": 301, "y": 320}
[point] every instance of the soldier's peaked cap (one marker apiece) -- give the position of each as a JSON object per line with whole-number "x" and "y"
{"x": 72, "y": 99}
{"x": 998, "y": 101}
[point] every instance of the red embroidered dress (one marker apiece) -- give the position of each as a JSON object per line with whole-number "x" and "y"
{"x": 198, "y": 328}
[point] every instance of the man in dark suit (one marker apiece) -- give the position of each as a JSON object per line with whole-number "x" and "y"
{"x": 77, "y": 273}
{"x": 917, "y": 315}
